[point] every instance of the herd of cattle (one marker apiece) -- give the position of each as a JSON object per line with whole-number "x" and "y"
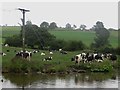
{"x": 91, "y": 57}
{"x": 28, "y": 54}
{"x": 82, "y": 57}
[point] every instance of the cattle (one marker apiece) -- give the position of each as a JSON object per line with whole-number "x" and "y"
{"x": 78, "y": 58}
{"x": 3, "y": 54}
{"x": 98, "y": 57}
{"x": 35, "y": 51}
{"x": 60, "y": 49}
{"x": 24, "y": 55}
{"x": 83, "y": 56}
{"x": 6, "y": 45}
{"x": 51, "y": 53}
{"x": 8, "y": 50}
{"x": 47, "y": 59}
{"x": 89, "y": 57}
{"x": 43, "y": 54}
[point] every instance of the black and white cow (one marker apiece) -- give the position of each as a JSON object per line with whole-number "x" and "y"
{"x": 3, "y": 54}
{"x": 25, "y": 55}
{"x": 47, "y": 59}
{"x": 78, "y": 58}
{"x": 89, "y": 57}
{"x": 99, "y": 57}
{"x": 35, "y": 51}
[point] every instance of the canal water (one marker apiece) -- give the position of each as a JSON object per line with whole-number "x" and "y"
{"x": 82, "y": 80}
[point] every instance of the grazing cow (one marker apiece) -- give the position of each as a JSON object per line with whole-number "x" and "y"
{"x": 8, "y": 50}
{"x": 89, "y": 57}
{"x": 47, "y": 59}
{"x": 83, "y": 56}
{"x": 43, "y": 54}
{"x": 51, "y": 53}
{"x": 25, "y": 55}
{"x": 98, "y": 57}
{"x": 60, "y": 49}
{"x": 3, "y": 54}
{"x": 35, "y": 51}
{"x": 78, "y": 58}
{"x": 6, "y": 45}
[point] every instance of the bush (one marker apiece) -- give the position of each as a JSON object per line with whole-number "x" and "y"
{"x": 74, "y": 46}
{"x": 15, "y": 41}
{"x": 57, "y": 44}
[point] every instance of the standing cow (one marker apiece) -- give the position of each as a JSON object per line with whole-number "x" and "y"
{"x": 78, "y": 58}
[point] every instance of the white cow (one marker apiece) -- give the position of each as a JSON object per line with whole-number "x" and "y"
{"x": 51, "y": 53}
{"x": 43, "y": 54}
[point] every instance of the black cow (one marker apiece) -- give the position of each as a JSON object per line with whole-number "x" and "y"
{"x": 8, "y": 50}
{"x": 113, "y": 57}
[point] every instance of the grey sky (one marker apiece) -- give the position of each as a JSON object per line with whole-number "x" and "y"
{"x": 63, "y": 12}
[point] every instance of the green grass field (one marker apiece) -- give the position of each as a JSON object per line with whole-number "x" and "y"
{"x": 60, "y": 63}
{"x": 86, "y": 37}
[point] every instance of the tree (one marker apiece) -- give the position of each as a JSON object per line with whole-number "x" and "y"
{"x": 68, "y": 26}
{"x": 74, "y": 26}
{"x": 82, "y": 27}
{"x": 53, "y": 25}
{"x": 36, "y": 36}
{"x": 102, "y": 36}
{"x": 15, "y": 41}
{"x": 44, "y": 25}
{"x": 28, "y": 23}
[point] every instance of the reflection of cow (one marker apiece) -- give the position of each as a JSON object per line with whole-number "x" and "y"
{"x": 26, "y": 55}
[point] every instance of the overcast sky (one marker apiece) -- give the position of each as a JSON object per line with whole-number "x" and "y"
{"x": 77, "y": 13}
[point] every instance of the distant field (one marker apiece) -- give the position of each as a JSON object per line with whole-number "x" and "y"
{"x": 86, "y": 37}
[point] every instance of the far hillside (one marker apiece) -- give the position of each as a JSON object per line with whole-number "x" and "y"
{"x": 65, "y": 34}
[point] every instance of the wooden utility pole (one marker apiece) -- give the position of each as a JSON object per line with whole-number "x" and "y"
{"x": 23, "y": 27}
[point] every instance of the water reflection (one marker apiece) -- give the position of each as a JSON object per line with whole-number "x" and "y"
{"x": 83, "y": 80}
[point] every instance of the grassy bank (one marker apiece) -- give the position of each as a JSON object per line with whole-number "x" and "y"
{"x": 59, "y": 64}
